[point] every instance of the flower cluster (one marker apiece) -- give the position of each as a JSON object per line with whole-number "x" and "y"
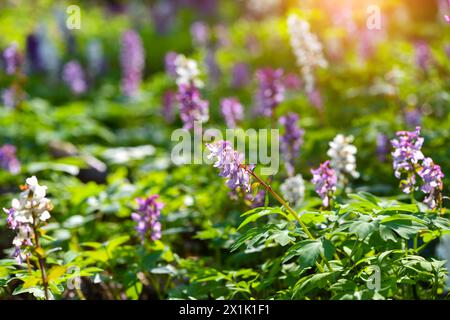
{"x": 343, "y": 156}
{"x": 192, "y": 107}
{"x": 325, "y": 180}
{"x": 10, "y": 97}
{"x": 262, "y": 7}
{"x": 200, "y": 33}
{"x": 293, "y": 190}
{"x": 230, "y": 163}
{"x": 132, "y": 59}
{"x": 73, "y": 76}
{"x": 169, "y": 62}
{"x": 168, "y": 106}
{"x": 147, "y": 217}
{"x": 8, "y": 159}
{"x": 432, "y": 176}
{"x": 291, "y": 141}
{"x": 187, "y": 72}
{"x": 271, "y": 90}
{"x": 12, "y": 59}
{"x": 423, "y": 55}
{"x": 240, "y": 75}
{"x": 307, "y": 49}
{"x": 382, "y": 147}
{"x": 407, "y": 154}
{"x": 26, "y": 215}
{"x": 232, "y": 111}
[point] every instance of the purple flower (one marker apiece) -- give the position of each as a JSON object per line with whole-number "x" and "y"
{"x": 230, "y": 163}
{"x": 171, "y": 68}
{"x": 423, "y": 55}
{"x": 315, "y": 98}
{"x": 291, "y": 141}
{"x": 9, "y": 97}
{"x": 324, "y": 179}
{"x": 232, "y": 111}
{"x": 168, "y": 110}
{"x": 147, "y": 217}
{"x": 413, "y": 117}
{"x": 259, "y": 199}
{"x": 432, "y": 176}
{"x": 271, "y": 90}
{"x": 382, "y": 147}
{"x": 240, "y": 75}
{"x": 292, "y": 81}
{"x": 192, "y": 107}
{"x": 73, "y": 76}
{"x": 200, "y": 33}
{"x": 8, "y": 159}
{"x": 132, "y": 58}
{"x": 212, "y": 66}
{"x": 407, "y": 154}
{"x": 12, "y": 59}
{"x": 33, "y": 53}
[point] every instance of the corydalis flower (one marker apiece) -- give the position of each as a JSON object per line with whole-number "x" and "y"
{"x": 324, "y": 180}
{"x": 192, "y": 107}
{"x": 200, "y": 33}
{"x": 169, "y": 62}
{"x": 423, "y": 55}
{"x": 407, "y": 154}
{"x": 187, "y": 72}
{"x": 147, "y": 217}
{"x": 73, "y": 76}
{"x": 230, "y": 163}
{"x": 307, "y": 49}
{"x": 291, "y": 141}
{"x": 271, "y": 90}
{"x": 10, "y": 97}
{"x": 240, "y": 75}
{"x": 343, "y": 156}
{"x": 168, "y": 106}
{"x": 26, "y": 214}
{"x": 12, "y": 59}
{"x": 293, "y": 190}
{"x": 382, "y": 147}
{"x": 8, "y": 159}
{"x": 232, "y": 111}
{"x": 432, "y": 176}
{"x": 132, "y": 59}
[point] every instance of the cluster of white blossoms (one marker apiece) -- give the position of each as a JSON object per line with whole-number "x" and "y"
{"x": 343, "y": 156}
{"x": 27, "y": 213}
{"x": 262, "y": 6}
{"x": 187, "y": 72}
{"x": 307, "y": 49}
{"x": 293, "y": 190}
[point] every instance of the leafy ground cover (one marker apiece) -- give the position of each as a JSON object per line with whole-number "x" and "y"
{"x": 97, "y": 205}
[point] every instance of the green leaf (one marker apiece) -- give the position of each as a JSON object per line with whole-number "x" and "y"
{"x": 362, "y": 228}
{"x": 308, "y": 252}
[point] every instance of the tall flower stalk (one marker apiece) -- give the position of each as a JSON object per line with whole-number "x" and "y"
{"x": 26, "y": 216}
{"x": 239, "y": 175}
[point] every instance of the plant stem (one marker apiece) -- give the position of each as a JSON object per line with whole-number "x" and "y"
{"x": 41, "y": 262}
{"x": 292, "y": 212}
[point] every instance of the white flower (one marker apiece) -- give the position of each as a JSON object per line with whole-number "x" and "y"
{"x": 262, "y": 6}
{"x": 187, "y": 71}
{"x": 343, "y": 156}
{"x": 31, "y": 208}
{"x": 307, "y": 49}
{"x": 293, "y": 190}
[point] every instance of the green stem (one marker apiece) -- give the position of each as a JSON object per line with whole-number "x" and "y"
{"x": 292, "y": 212}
